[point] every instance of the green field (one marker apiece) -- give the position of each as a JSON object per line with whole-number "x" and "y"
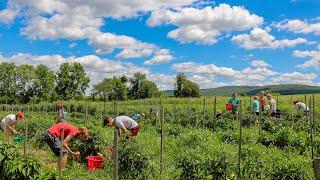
{"x": 196, "y": 145}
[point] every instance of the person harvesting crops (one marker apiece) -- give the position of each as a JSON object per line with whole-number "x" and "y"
{"x": 138, "y": 116}
{"x": 61, "y": 116}
{"x": 125, "y": 125}
{"x": 262, "y": 101}
{"x": 300, "y": 106}
{"x": 273, "y": 106}
{"x": 256, "y": 105}
{"x": 235, "y": 101}
{"x": 8, "y": 125}
{"x": 53, "y": 138}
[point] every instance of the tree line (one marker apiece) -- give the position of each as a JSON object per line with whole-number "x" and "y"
{"x": 25, "y": 83}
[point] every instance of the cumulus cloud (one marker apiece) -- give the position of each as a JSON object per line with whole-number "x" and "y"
{"x": 298, "y": 26}
{"x": 163, "y": 81}
{"x": 260, "y": 64}
{"x": 161, "y": 57}
{"x": 205, "y": 25}
{"x": 314, "y": 56}
{"x": 295, "y": 78}
{"x": 80, "y": 19}
{"x": 260, "y": 38}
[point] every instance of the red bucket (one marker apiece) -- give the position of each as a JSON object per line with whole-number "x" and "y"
{"x": 94, "y": 162}
{"x": 229, "y": 106}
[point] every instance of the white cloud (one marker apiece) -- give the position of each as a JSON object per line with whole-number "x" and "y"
{"x": 81, "y": 19}
{"x": 295, "y": 78}
{"x": 163, "y": 81}
{"x": 205, "y": 25}
{"x": 260, "y": 38}
{"x": 161, "y": 57}
{"x": 314, "y": 56}
{"x": 298, "y": 26}
{"x": 72, "y": 45}
{"x": 8, "y": 15}
{"x": 260, "y": 64}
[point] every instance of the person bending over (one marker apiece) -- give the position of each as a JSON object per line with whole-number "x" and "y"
{"x": 53, "y": 139}
{"x": 125, "y": 125}
{"x": 8, "y": 125}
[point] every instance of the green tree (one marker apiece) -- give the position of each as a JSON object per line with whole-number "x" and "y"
{"x": 135, "y": 83}
{"x": 102, "y": 89}
{"x": 111, "y": 88}
{"x": 141, "y": 87}
{"x": 26, "y": 82}
{"x": 72, "y": 81}
{"x": 45, "y": 83}
{"x": 8, "y": 85}
{"x": 185, "y": 88}
{"x": 119, "y": 89}
{"x": 147, "y": 89}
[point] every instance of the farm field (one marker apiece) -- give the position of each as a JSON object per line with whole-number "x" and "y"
{"x": 196, "y": 145}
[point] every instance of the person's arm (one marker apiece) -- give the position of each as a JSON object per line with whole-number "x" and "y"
{"x": 12, "y": 128}
{"x": 124, "y": 129}
{"x": 65, "y": 145}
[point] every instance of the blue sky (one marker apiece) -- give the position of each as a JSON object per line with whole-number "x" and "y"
{"x": 215, "y": 43}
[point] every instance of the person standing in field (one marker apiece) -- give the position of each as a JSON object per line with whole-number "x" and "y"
{"x": 235, "y": 101}
{"x": 273, "y": 106}
{"x": 256, "y": 105}
{"x": 262, "y": 101}
{"x": 300, "y": 106}
{"x": 125, "y": 125}
{"x": 53, "y": 139}
{"x": 61, "y": 116}
{"x": 8, "y": 125}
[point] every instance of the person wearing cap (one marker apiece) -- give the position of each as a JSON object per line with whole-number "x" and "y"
{"x": 273, "y": 106}
{"x": 138, "y": 116}
{"x": 54, "y": 136}
{"x": 61, "y": 117}
{"x": 262, "y": 101}
{"x": 256, "y": 105}
{"x": 125, "y": 124}
{"x": 235, "y": 101}
{"x": 300, "y": 106}
{"x": 8, "y": 125}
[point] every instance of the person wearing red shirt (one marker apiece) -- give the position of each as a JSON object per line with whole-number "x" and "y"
{"x": 53, "y": 139}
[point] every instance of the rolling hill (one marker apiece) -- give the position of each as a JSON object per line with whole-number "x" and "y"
{"x": 253, "y": 90}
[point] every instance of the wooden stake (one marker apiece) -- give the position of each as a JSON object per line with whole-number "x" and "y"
{"x": 25, "y": 138}
{"x": 215, "y": 108}
{"x": 311, "y": 128}
{"x": 61, "y": 154}
{"x": 161, "y": 140}
{"x": 116, "y": 157}
{"x": 203, "y": 112}
{"x": 240, "y": 139}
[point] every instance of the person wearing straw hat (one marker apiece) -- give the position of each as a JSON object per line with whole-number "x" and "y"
{"x": 125, "y": 124}
{"x": 61, "y": 116}
{"x": 301, "y": 107}
{"x": 273, "y": 106}
{"x": 53, "y": 138}
{"x": 8, "y": 125}
{"x": 262, "y": 101}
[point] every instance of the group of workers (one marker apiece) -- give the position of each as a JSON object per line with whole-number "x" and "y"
{"x": 59, "y": 134}
{"x": 265, "y": 102}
